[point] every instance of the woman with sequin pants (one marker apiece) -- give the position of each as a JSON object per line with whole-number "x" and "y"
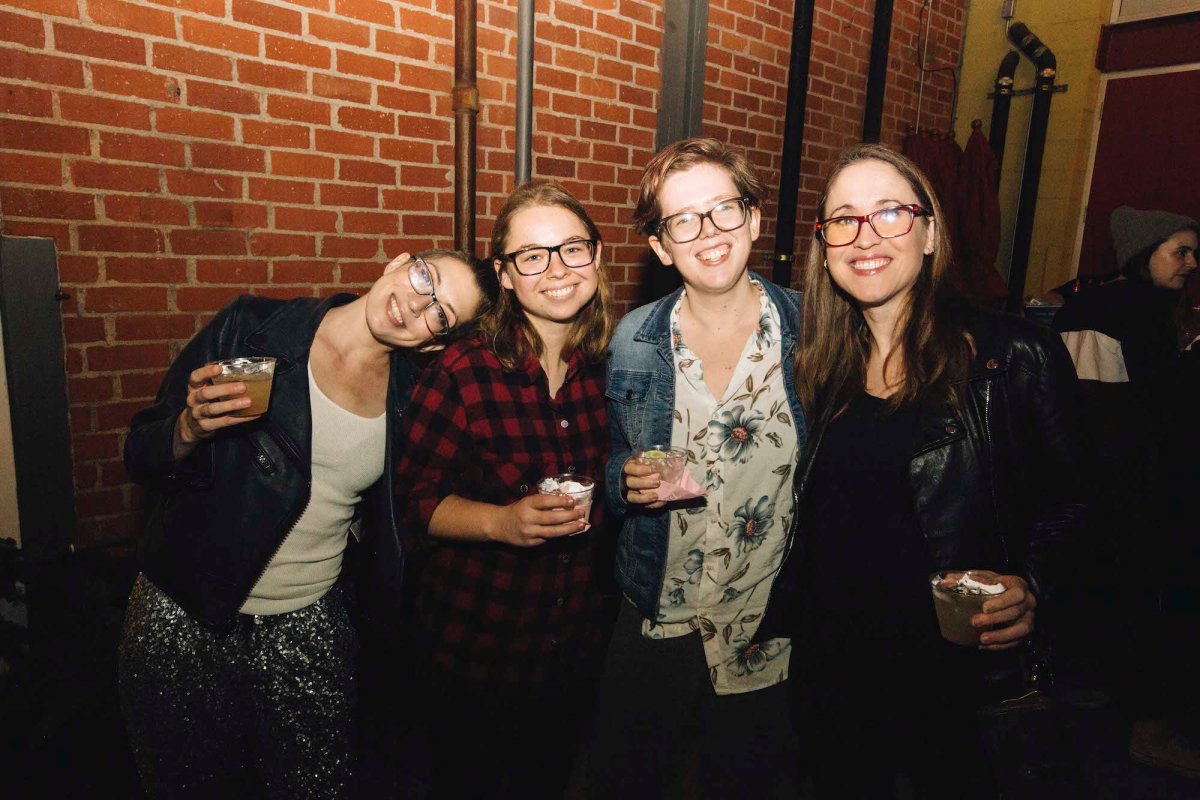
{"x": 237, "y": 674}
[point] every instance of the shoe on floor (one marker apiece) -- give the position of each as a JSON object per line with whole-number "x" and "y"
{"x": 1157, "y": 744}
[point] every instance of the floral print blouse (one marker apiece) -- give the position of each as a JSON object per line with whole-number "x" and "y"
{"x": 724, "y": 551}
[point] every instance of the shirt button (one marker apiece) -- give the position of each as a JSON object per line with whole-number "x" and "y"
{"x": 524, "y": 488}
{"x": 558, "y": 601}
{"x": 554, "y": 642}
{"x": 566, "y": 559}
{"x": 564, "y": 424}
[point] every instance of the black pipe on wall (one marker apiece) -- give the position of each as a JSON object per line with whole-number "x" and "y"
{"x": 1001, "y": 100}
{"x": 881, "y": 35}
{"x": 793, "y": 142}
{"x": 1047, "y": 67}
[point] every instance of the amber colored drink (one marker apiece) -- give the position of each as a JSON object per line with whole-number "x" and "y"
{"x": 257, "y": 374}
{"x": 258, "y": 389}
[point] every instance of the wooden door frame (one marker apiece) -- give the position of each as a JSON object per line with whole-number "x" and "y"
{"x": 1077, "y": 250}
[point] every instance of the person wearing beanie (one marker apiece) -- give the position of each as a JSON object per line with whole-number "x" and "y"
{"x": 1138, "y": 374}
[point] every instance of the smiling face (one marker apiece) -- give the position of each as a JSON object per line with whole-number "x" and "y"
{"x": 396, "y": 312}
{"x": 554, "y": 298}
{"x": 715, "y": 262}
{"x": 1174, "y": 260}
{"x": 878, "y": 273}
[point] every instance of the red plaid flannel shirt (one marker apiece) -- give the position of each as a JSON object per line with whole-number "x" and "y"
{"x": 517, "y": 619}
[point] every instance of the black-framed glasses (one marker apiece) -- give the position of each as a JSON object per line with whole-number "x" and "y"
{"x": 421, "y": 280}
{"x": 727, "y": 215}
{"x": 575, "y": 254}
{"x": 888, "y": 223}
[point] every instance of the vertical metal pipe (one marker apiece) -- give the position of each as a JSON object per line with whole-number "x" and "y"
{"x": 793, "y": 142}
{"x": 524, "y": 90}
{"x": 466, "y": 107}
{"x": 1001, "y": 100}
{"x": 881, "y": 35}
{"x": 923, "y": 59}
{"x": 1031, "y": 174}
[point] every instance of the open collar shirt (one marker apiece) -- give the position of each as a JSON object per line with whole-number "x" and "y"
{"x": 723, "y": 553}
{"x": 523, "y": 620}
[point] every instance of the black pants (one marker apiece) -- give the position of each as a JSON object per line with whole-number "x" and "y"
{"x": 662, "y": 732}
{"x": 264, "y": 710}
{"x": 487, "y": 745}
{"x": 864, "y": 719}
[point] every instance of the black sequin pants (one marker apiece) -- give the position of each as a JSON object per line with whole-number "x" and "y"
{"x": 264, "y": 710}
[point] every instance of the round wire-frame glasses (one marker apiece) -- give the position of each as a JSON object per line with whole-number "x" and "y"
{"x": 420, "y": 278}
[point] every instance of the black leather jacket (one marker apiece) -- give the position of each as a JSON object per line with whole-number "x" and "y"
{"x": 218, "y": 516}
{"x": 997, "y": 484}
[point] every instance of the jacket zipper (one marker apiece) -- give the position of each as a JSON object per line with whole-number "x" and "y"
{"x": 987, "y": 419}
{"x": 292, "y": 527}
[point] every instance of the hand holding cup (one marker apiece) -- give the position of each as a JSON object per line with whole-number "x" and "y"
{"x": 219, "y": 396}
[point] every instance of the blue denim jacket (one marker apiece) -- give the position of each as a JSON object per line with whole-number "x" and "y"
{"x": 641, "y": 407}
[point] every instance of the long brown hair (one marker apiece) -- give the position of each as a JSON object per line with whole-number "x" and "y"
{"x": 835, "y": 345}
{"x": 506, "y": 327}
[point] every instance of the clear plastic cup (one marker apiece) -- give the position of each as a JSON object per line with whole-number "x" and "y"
{"x": 578, "y": 487}
{"x": 956, "y": 604}
{"x": 257, "y": 373}
{"x": 669, "y": 462}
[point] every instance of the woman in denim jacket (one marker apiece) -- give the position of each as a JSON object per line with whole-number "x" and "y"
{"x": 706, "y": 369}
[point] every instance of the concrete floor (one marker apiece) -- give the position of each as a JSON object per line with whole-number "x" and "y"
{"x": 61, "y": 734}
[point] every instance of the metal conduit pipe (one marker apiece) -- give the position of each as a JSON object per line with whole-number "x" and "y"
{"x": 524, "y": 91}
{"x": 1039, "y": 119}
{"x": 466, "y": 107}
{"x": 881, "y": 35}
{"x": 793, "y": 142}
{"x": 1001, "y": 100}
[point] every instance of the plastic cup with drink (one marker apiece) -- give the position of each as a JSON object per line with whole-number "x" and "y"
{"x": 958, "y": 596}
{"x": 257, "y": 373}
{"x": 578, "y": 487}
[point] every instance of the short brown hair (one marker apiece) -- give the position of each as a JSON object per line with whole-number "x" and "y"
{"x": 685, "y": 154}
{"x": 506, "y": 327}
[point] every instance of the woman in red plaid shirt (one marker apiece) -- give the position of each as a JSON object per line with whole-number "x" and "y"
{"x": 510, "y": 622}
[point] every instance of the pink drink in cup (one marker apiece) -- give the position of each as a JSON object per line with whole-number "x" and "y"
{"x": 668, "y": 462}
{"x": 578, "y": 487}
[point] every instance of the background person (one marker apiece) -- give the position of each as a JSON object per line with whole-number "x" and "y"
{"x": 946, "y": 438}
{"x": 237, "y": 674}
{"x": 510, "y": 618}
{"x": 1130, "y": 341}
{"x": 688, "y": 706}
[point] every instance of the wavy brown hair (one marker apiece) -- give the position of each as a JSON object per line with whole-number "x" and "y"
{"x": 506, "y": 327}
{"x": 934, "y": 348}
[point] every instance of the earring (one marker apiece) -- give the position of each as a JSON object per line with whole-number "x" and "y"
{"x": 827, "y": 265}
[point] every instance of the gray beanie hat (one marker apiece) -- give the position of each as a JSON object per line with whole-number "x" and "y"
{"x": 1134, "y": 231}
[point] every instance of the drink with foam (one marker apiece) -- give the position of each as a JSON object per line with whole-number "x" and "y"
{"x": 958, "y": 596}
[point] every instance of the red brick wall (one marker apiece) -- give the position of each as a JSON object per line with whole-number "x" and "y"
{"x": 183, "y": 151}
{"x": 749, "y": 45}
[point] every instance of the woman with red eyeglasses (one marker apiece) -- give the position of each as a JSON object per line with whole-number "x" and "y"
{"x": 945, "y": 439}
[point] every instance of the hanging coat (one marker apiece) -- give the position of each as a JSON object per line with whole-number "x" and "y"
{"x": 979, "y": 219}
